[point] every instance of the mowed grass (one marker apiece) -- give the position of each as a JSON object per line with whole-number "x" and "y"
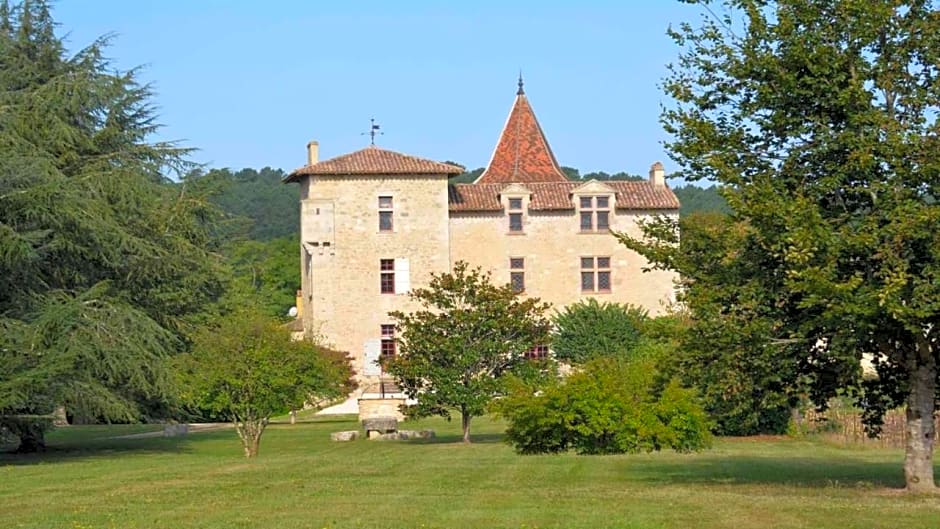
{"x": 303, "y": 480}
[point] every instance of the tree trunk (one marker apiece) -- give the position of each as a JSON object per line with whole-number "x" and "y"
{"x": 465, "y": 422}
{"x": 32, "y": 438}
{"x": 921, "y": 432}
{"x": 249, "y": 431}
{"x": 61, "y": 417}
{"x": 251, "y": 449}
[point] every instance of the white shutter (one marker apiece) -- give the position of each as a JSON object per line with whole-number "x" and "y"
{"x": 402, "y": 276}
{"x": 370, "y": 357}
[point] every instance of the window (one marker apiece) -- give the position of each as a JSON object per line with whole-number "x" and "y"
{"x": 387, "y": 272}
{"x": 595, "y": 274}
{"x": 595, "y": 213}
{"x": 385, "y": 214}
{"x": 538, "y": 352}
{"x": 388, "y": 347}
{"x": 517, "y": 274}
{"x": 515, "y": 215}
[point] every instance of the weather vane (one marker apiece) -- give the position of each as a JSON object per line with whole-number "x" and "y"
{"x": 373, "y": 131}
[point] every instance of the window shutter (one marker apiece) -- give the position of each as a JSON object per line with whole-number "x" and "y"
{"x": 402, "y": 276}
{"x": 370, "y": 358}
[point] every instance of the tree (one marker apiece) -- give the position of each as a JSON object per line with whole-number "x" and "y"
{"x": 265, "y": 206}
{"x": 589, "y": 329}
{"x": 467, "y": 177}
{"x": 695, "y": 199}
{"x": 103, "y": 263}
{"x": 456, "y": 350}
{"x": 267, "y": 271}
{"x": 748, "y": 384}
{"x": 246, "y": 367}
{"x": 622, "y": 175}
{"x": 820, "y": 120}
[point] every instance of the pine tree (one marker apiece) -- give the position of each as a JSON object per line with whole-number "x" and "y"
{"x": 103, "y": 263}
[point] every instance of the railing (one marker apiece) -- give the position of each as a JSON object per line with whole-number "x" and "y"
{"x": 388, "y": 385}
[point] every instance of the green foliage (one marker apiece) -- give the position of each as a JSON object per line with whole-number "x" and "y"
{"x": 818, "y": 120}
{"x": 247, "y": 368}
{"x": 260, "y": 207}
{"x": 747, "y": 384}
{"x": 468, "y": 335}
{"x": 571, "y": 173}
{"x": 588, "y": 329}
{"x": 608, "y": 407}
{"x": 104, "y": 266}
{"x": 602, "y": 176}
{"x": 467, "y": 177}
{"x": 264, "y": 273}
{"x": 695, "y": 199}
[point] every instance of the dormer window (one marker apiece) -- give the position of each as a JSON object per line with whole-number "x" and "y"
{"x": 594, "y": 213}
{"x": 515, "y": 215}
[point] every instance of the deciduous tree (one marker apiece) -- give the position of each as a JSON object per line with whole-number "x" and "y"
{"x": 468, "y": 334}
{"x": 820, "y": 119}
{"x": 748, "y": 382}
{"x": 246, "y": 367}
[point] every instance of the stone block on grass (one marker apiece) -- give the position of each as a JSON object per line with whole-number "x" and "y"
{"x": 349, "y": 435}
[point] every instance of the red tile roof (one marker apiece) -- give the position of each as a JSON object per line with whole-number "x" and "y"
{"x": 522, "y": 153}
{"x": 374, "y": 161}
{"x": 474, "y": 197}
{"x": 548, "y": 196}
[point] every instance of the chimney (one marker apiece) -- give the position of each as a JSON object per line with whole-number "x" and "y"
{"x": 313, "y": 152}
{"x": 657, "y": 175}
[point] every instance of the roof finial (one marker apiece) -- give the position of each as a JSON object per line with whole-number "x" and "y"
{"x": 373, "y": 131}
{"x": 520, "y": 91}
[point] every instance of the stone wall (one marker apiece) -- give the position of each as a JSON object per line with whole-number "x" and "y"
{"x": 552, "y": 246}
{"x": 377, "y": 408}
{"x": 342, "y": 247}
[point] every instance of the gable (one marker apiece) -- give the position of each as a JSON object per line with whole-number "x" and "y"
{"x": 592, "y": 187}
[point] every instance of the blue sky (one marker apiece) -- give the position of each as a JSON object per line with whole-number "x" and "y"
{"x": 249, "y": 83}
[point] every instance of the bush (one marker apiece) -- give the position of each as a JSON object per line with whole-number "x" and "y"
{"x": 608, "y": 407}
{"x": 588, "y": 329}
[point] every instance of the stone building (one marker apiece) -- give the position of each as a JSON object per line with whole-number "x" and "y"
{"x": 375, "y": 223}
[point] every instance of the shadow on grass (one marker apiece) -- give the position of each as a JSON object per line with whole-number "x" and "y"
{"x": 483, "y": 438}
{"x": 319, "y": 420}
{"x": 68, "y": 450}
{"x": 821, "y": 472}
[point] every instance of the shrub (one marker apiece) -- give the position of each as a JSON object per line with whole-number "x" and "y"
{"x": 588, "y": 329}
{"x": 608, "y": 407}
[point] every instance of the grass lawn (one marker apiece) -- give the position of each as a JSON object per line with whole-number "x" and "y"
{"x": 302, "y": 479}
